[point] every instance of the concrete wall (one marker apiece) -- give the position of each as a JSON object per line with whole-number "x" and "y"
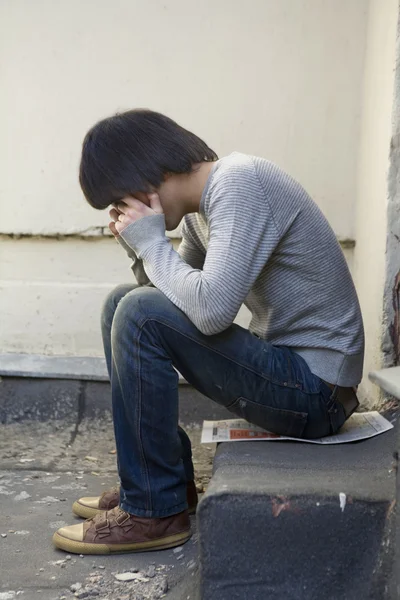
{"x": 372, "y": 194}
{"x": 51, "y": 303}
{"x": 391, "y": 324}
{"x": 278, "y": 79}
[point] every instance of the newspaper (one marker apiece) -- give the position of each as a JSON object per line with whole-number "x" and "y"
{"x": 359, "y": 426}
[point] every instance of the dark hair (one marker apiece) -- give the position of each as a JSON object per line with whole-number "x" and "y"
{"x": 132, "y": 152}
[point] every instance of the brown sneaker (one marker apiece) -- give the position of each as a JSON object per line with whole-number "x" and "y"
{"x": 91, "y": 506}
{"x": 116, "y": 531}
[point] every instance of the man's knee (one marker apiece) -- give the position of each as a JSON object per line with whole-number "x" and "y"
{"x": 112, "y": 300}
{"x": 140, "y": 305}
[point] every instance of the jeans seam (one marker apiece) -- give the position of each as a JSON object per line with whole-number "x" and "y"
{"x": 141, "y": 324}
{"x": 158, "y": 320}
{"x": 295, "y": 413}
{"x": 138, "y": 428}
{"x": 290, "y": 368}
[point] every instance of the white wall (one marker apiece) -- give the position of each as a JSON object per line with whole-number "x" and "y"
{"x": 281, "y": 79}
{"x": 51, "y": 304}
{"x": 371, "y": 217}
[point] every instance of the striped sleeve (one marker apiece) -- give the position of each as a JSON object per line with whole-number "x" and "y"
{"x": 137, "y": 263}
{"x": 189, "y": 251}
{"x": 242, "y": 237}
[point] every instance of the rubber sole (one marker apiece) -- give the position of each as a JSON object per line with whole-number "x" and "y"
{"x": 85, "y": 511}
{"x": 75, "y": 547}
{"x": 88, "y": 513}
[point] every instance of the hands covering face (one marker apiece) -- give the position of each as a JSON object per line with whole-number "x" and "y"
{"x": 130, "y": 209}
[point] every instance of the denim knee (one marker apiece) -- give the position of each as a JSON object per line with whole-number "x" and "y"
{"x": 111, "y": 302}
{"x": 139, "y": 305}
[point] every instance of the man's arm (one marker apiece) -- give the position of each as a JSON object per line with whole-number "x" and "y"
{"x": 137, "y": 263}
{"x": 243, "y": 236}
{"x": 188, "y": 251}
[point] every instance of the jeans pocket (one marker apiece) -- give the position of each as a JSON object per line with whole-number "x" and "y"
{"x": 276, "y": 420}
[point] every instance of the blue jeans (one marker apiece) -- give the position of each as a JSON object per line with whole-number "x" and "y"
{"x": 145, "y": 336}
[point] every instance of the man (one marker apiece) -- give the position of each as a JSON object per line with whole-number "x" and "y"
{"x": 251, "y": 235}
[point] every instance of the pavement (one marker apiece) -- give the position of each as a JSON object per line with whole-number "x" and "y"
{"x": 44, "y": 467}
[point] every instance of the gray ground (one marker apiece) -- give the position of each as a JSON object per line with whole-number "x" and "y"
{"x": 43, "y": 469}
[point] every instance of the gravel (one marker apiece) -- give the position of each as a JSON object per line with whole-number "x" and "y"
{"x": 149, "y": 584}
{"x": 60, "y": 473}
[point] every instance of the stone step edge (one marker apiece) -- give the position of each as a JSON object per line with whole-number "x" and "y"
{"x": 85, "y": 368}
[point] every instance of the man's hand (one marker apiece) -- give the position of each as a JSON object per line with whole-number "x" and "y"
{"x": 130, "y": 209}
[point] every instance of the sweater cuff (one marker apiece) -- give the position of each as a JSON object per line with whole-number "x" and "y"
{"x": 144, "y": 233}
{"x": 125, "y": 246}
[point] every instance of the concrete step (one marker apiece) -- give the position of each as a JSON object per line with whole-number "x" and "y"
{"x": 296, "y": 521}
{"x": 388, "y": 380}
{"x": 71, "y": 388}
{"x": 26, "y": 399}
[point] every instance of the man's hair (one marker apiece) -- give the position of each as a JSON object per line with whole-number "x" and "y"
{"x": 133, "y": 152}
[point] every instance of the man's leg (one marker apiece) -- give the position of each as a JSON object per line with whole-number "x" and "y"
{"x": 107, "y": 317}
{"x": 89, "y": 506}
{"x": 269, "y": 386}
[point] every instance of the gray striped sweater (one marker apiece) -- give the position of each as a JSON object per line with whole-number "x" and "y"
{"x": 260, "y": 240}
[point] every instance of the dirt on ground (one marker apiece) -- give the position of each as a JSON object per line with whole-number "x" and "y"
{"x": 89, "y": 448}
{"x": 44, "y": 467}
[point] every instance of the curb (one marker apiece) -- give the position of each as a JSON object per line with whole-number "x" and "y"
{"x": 41, "y": 399}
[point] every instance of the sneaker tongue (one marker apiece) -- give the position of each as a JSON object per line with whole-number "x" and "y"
{"x": 112, "y": 490}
